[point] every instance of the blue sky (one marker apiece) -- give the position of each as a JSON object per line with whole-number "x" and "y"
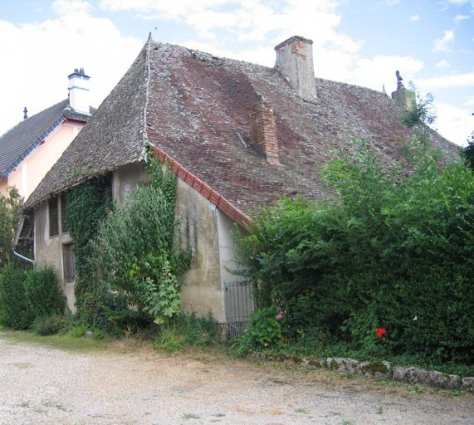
{"x": 359, "y": 42}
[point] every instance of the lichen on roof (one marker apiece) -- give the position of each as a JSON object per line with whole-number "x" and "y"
{"x": 195, "y": 107}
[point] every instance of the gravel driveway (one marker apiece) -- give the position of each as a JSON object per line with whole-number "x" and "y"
{"x": 41, "y": 385}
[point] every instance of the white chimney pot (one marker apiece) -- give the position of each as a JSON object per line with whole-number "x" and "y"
{"x": 79, "y": 92}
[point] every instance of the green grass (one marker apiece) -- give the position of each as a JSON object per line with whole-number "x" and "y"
{"x": 190, "y": 416}
{"x": 66, "y": 342}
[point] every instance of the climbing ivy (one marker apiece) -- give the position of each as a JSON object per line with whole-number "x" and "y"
{"x": 134, "y": 250}
{"x": 127, "y": 267}
{"x": 86, "y": 206}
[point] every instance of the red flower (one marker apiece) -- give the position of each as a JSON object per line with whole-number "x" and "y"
{"x": 279, "y": 317}
{"x": 380, "y": 332}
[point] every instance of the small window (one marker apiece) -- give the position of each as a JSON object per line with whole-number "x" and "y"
{"x": 69, "y": 263}
{"x": 53, "y": 217}
{"x": 64, "y": 228}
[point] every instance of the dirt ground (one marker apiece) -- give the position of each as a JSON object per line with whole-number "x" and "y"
{"x": 129, "y": 385}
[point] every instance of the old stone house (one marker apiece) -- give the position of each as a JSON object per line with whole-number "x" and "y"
{"x": 237, "y": 135}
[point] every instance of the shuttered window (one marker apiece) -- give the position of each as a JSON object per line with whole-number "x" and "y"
{"x": 69, "y": 263}
{"x": 63, "y": 214}
{"x": 53, "y": 217}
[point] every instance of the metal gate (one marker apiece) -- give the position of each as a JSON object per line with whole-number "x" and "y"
{"x": 239, "y": 306}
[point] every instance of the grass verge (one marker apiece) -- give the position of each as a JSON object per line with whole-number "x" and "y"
{"x": 66, "y": 342}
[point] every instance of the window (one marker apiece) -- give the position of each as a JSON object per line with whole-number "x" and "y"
{"x": 69, "y": 263}
{"x": 63, "y": 214}
{"x": 53, "y": 217}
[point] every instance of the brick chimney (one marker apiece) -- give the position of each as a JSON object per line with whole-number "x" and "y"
{"x": 295, "y": 61}
{"x": 263, "y": 134}
{"x": 79, "y": 91}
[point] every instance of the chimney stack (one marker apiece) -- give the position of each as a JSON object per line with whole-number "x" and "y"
{"x": 263, "y": 134}
{"x": 404, "y": 98}
{"x": 295, "y": 61}
{"x": 79, "y": 91}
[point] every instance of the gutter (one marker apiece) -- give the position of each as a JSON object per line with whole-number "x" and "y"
{"x": 29, "y": 260}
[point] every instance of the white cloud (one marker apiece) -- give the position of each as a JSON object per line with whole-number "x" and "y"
{"x": 458, "y": 2}
{"x": 68, "y": 7}
{"x": 74, "y": 39}
{"x": 442, "y": 44}
{"x": 450, "y": 81}
{"x": 456, "y": 124}
{"x": 415, "y": 18}
{"x": 459, "y": 18}
{"x": 443, "y": 64}
{"x": 379, "y": 71}
{"x": 248, "y": 20}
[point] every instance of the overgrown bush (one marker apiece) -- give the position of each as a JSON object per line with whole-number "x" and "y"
{"x": 134, "y": 258}
{"x": 388, "y": 252}
{"x": 14, "y": 308}
{"x": 86, "y": 206}
{"x": 264, "y": 332}
{"x": 10, "y": 207}
{"x": 49, "y": 325}
{"x": 187, "y": 330}
{"x": 42, "y": 292}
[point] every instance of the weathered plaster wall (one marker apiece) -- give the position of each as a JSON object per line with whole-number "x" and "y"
{"x": 202, "y": 291}
{"x": 201, "y": 226}
{"x": 49, "y": 250}
{"x": 126, "y": 179}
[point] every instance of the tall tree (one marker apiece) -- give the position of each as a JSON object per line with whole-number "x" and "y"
{"x": 10, "y": 208}
{"x": 468, "y": 151}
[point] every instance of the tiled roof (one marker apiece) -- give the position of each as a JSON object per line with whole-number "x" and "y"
{"x": 197, "y": 112}
{"x": 18, "y": 142}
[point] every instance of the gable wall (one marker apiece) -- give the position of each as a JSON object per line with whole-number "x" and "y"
{"x": 198, "y": 228}
{"x": 35, "y": 166}
{"x": 202, "y": 290}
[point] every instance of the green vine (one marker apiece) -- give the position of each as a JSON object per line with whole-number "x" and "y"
{"x": 128, "y": 269}
{"x": 86, "y": 206}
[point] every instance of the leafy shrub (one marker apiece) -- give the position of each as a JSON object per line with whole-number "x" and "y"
{"x": 134, "y": 255}
{"x": 14, "y": 307}
{"x": 42, "y": 292}
{"x": 187, "y": 330}
{"x": 49, "y": 325}
{"x": 86, "y": 206}
{"x": 10, "y": 209}
{"x": 78, "y": 331}
{"x": 390, "y": 251}
{"x": 169, "y": 341}
{"x": 264, "y": 332}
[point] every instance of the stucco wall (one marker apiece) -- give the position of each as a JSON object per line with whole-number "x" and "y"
{"x": 201, "y": 226}
{"x": 126, "y": 179}
{"x": 35, "y": 166}
{"x": 202, "y": 290}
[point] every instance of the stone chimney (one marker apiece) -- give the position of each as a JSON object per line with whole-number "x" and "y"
{"x": 295, "y": 61}
{"x": 263, "y": 134}
{"x": 79, "y": 91}
{"x": 402, "y": 96}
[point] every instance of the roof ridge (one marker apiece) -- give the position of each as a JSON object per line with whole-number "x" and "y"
{"x": 147, "y": 92}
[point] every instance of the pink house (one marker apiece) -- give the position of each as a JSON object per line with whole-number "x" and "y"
{"x": 32, "y": 147}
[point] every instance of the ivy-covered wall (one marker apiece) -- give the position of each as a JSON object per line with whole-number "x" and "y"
{"x": 206, "y": 230}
